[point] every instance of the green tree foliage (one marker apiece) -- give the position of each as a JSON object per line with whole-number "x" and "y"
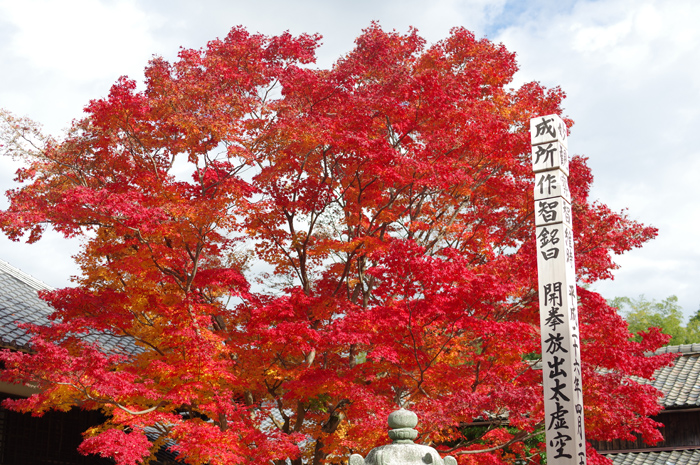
{"x": 667, "y": 315}
{"x": 693, "y": 328}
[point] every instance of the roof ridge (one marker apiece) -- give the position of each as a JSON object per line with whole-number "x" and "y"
{"x": 679, "y": 349}
{"x": 26, "y": 278}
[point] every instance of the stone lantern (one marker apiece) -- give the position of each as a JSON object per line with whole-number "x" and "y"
{"x": 403, "y": 451}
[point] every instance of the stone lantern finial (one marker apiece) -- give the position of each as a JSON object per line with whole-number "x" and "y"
{"x": 403, "y": 451}
{"x": 402, "y": 423}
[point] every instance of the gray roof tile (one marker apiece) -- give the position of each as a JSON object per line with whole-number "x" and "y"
{"x": 676, "y": 457}
{"x": 680, "y": 383}
{"x": 20, "y": 303}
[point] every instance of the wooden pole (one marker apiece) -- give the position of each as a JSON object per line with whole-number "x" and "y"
{"x": 561, "y": 355}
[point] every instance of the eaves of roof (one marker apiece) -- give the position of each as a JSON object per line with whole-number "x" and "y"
{"x": 676, "y": 457}
{"x": 20, "y": 303}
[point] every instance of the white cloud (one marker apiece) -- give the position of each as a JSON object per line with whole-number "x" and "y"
{"x": 80, "y": 39}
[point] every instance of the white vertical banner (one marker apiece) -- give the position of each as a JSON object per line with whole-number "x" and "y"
{"x": 561, "y": 355}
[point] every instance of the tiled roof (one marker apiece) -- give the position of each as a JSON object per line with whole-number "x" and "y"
{"x": 680, "y": 383}
{"x": 19, "y": 302}
{"x": 675, "y": 457}
{"x": 682, "y": 349}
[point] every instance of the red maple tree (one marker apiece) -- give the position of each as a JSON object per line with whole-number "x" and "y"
{"x": 292, "y": 252}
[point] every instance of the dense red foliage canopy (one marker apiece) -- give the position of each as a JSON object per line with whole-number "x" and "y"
{"x": 294, "y": 252}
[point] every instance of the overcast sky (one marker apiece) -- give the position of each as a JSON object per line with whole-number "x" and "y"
{"x": 631, "y": 70}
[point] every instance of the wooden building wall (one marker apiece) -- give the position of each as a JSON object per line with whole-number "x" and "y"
{"x": 50, "y": 439}
{"x": 681, "y": 430}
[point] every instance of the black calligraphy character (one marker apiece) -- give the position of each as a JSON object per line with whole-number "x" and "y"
{"x": 557, "y": 419}
{"x": 563, "y": 156}
{"x": 569, "y": 255}
{"x": 552, "y": 294}
{"x": 550, "y": 254}
{"x": 569, "y": 246}
{"x": 555, "y": 344}
{"x": 545, "y": 128}
{"x": 559, "y": 443}
{"x": 556, "y": 389}
{"x": 564, "y": 186}
{"x": 579, "y": 420}
{"x": 547, "y": 153}
{"x": 547, "y": 211}
{"x": 555, "y": 368}
{"x": 577, "y": 384}
{"x": 581, "y": 457}
{"x": 562, "y": 130}
{"x": 548, "y": 236}
{"x": 554, "y": 319}
{"x": 572, "y": 294}
{"x": 548, "y": 182}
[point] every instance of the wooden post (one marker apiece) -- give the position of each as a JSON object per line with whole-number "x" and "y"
{"x": 561, "y": 358}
